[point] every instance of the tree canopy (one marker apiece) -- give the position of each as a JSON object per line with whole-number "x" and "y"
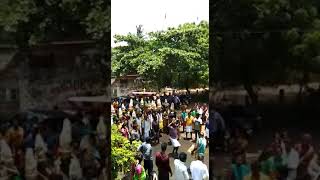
{"x": 176, "y": 57}
{"x": 30, "y": 22}
{"x": 265, "y": 41}
{"x": 33, "y": 21}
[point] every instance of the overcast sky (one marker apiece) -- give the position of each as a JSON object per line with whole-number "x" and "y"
{"x": 126, "y": 14}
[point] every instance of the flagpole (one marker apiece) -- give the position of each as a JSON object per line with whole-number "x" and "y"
{"x": 164, "y": 21}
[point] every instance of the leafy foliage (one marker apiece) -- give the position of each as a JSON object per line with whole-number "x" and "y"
{"x": 265, "y": 41}
{"x": 122, "y": 152}
{"x": 33, "y": 21}
{"x": 176, "y": 57}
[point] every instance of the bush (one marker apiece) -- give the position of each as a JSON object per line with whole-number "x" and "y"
{"x": 122, "y": 152}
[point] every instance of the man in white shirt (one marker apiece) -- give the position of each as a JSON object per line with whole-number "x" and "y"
{"x": 181, "y": 170}
{"x": 199, "y": 170}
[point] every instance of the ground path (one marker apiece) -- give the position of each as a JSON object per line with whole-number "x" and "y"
{"x": 185, "y": 145}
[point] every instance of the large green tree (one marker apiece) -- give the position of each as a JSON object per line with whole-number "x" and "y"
{"x": 176, "y": 57}
{"x": 264, "y": 41}
{"x": 34, "y": 21}
{"x": 29, "y": 22}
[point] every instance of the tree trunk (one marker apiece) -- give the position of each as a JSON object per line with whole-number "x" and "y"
{"x": 252, "y": 94}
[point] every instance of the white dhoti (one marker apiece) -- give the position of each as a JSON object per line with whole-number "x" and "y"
{"x": 188, "y": 129}
{"x": 175, "y": 142}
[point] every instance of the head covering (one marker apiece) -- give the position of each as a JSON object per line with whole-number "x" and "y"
{"x": 158, "y": 102}
{"x": 30, "y": 163}
{"x": 134, "y": 114}
{"x": 5, "y": 151}
{"x": 172, "y": 107}
{"x": 75, "y": 168}
{"x": 85, "y": 143}
{"x": 66, "y": 134}
{"x": 101, "y": 128}
{"x": 40, "y": 144}
{"x": 131, "y": 103}
{"x": 120, "y": 113}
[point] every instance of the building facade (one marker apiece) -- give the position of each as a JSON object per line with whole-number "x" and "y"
{"x": 123, "y": 85}
{"x": 47, "y": 74}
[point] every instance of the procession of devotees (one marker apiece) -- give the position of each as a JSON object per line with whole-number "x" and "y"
{"x": 147, "y": 119}
{"x": 36, "y": 151}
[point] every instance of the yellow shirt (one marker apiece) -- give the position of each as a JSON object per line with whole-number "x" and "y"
{"x": 189, "y": 121}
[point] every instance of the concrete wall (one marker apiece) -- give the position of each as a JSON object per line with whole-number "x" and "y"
{"x": 266, "y": 93}
{"x": 123, "y": 89}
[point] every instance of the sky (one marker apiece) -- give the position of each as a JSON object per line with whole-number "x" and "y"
{"x": 127, "y": 14}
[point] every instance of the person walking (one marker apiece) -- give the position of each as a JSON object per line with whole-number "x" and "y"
{"x": 146, "y": 150}
{"x": 189, "y": 121}
{"x": 197, "y": 126}
{"x": 200, "y": 145}
{"x": 184, "y": 115}
{"x": 163, "y": 164}
{"x": 199, "y": 170}
{"x": 181, "y": 170}
{"x": 173, "y": 133}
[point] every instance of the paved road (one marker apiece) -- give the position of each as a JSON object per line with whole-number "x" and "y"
{"x": 185, "y": 145}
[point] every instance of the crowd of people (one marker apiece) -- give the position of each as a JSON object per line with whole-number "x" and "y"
{"x": 36, "y": 151}
{"x": 146, "y": 119}
{"x": 282, "y": 159}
